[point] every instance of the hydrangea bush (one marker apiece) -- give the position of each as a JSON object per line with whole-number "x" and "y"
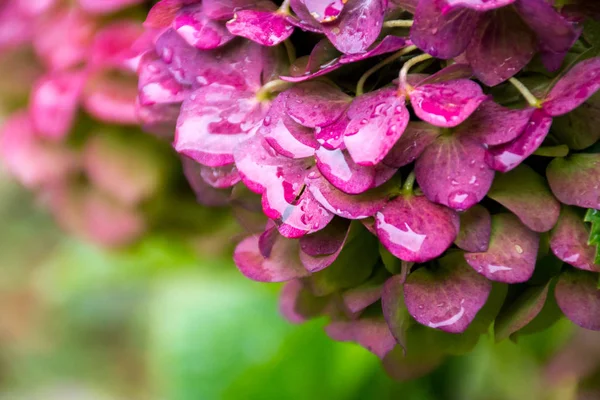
{"x": 428, "y": 170}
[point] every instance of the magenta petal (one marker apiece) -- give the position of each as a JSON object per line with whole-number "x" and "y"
{"x": 389, "y": 44}
{"x": 112, "y": 46}
{"x": 443, "y": 35}
{"x": 475, "y": 229}
{"x": 313, "y": 104}
{"x": 358, "y": 206}
{"x": 492, "y": 124}
{"x": 574, "y": 180}
{"x": 162, "y": 13}
{"x": 447, "y": 298}
{"x": 267, "y": 28}
{"x": 339, "y": 169}
{"x": 578, "y": 85}
{"x": 578, "y": 297}
{"x": 213, "y": 120}
{"x": 377, "y": 121}
{"x": 357, "y": 27}
{"x": 505, "y": 157}
{"x": 554, "y": 31}
{"x": 527, "y": 195}
{"x": 452, "y": 171}
{"x": 416, "y": 230}
{"x": 111, "y": 99}
{"x": 297, "y": 304}
{"x": 220, "y": 177}
{"x": 331, "y": 136}
{"x": 446, "y": 104}
{"x": 414, "y": 140}
{"x": 156, "y": 85}
{"x": 320, "y": 249}
{"x": 54, "y": 102}
{"x": 223, "y": 9}
{"x": 569, "y": 241}
{"x": 479, "y": 5}
{"x": 512, "y": 252}
{"x": 305, "y": 21}
{"x": 286, "y": 136}
{"x": 372, "y": 333}
{"x": 200, "y": 31}
{"x": 502, "y": 45}
{"x": 324, "y": 11}
{"x": 280, "y": 266}
{"x": 205, "y": 194}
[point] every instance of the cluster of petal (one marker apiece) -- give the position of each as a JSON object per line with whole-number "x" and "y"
{"x": 405, "y": 211}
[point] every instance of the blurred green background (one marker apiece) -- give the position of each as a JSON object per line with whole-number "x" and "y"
{"x": 171, "y": 320}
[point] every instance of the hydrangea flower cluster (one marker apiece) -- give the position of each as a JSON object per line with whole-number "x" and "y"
{"x": 427, "y": 168}
{"x": 81, "y": 167}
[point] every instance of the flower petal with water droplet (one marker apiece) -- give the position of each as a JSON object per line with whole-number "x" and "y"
{"x": 575, "y": 180}
{"x": 578, "y": 297}
{"x": 475, "y": 229}
{"x": 569, "y": 241}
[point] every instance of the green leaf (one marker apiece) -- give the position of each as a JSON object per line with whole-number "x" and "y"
{"x": 593, "y": 217}
{"x": 591, "y": 32}
{"x": 520, "y": 312}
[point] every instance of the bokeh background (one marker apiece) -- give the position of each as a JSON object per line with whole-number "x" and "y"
{"x": 174, "y": 320}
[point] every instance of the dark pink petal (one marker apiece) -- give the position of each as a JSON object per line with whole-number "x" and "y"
{"x": 502, "y": 45}
{"x": 327, "y": 241}
{"x": 162, "y": 13}
{"x": 158, "y": 119}
{"x": 377, "y": 121}
{"x": 578, "y": 297}
{"x": 389, "y": 44}
{"x": 507, "y": 156}
{"x": 358, "y": 298}
{"x": 324, "y": 11}
{"x": 357, "y": 27}
{"x": 199, "y": 30}
{"x": 223, "y": 9}
{"x": 524, "y": 192}
{"x": 305, "y": 21}
{"x": 446, "y": 298}
{"x": 450, "y": 73}
{"x": 267, "y": 28}
{"x": 358, "y": 206}
{"x": 220, "y": 177}
{"x": 282, "y": 265}
{"x": 213, "y": 120}
{"x": 331, "y": 136}
{"x": 106, "y": 6}
{"x": 554, "y": 31}
{"x": 156, "y": 85}
{"x": 479, "y": 5}
{"x": 569, "y": 241}
{"x": 320, "y": 249}
{"x": 113, "y": 44}
{"x": 298, "y": 305}
{"x": 280, "y": 180}
{"x": 339, "y": 169}
{"x": 372, "y": 333}
{"x": 446, "y": 104}
{"x": 321, "y": 56}
{"x": 54, "y": 102}
{"x": 512, "y": 252}
{"x": 416, "y": 230}
{"x": 285, "y": 135}
{"x": 493, "y": 124}
{"x": 414, "y": 140}
{"x": 574, "y": 180}
{"x": 578, "y": 85}
{"x": 443, "y": 35}
{"x": 313, "y": 104}
{"x": 475, "y": 229}
{"x": 452, "y": 171}
{"x": 205, "y": 194}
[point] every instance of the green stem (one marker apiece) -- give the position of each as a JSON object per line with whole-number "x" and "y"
{"x": 285, "y": 7}
{"x": 399, "y": 23}
{"x": 276, "y": 85}
{"x": 407, "y": 188}
{"x": 363, "y": 79}
{"x": 408, "y": 65}
{"x": 531, "y": 99}
{"x": 553, "y": 151}
{"x": 290, "y": 49}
